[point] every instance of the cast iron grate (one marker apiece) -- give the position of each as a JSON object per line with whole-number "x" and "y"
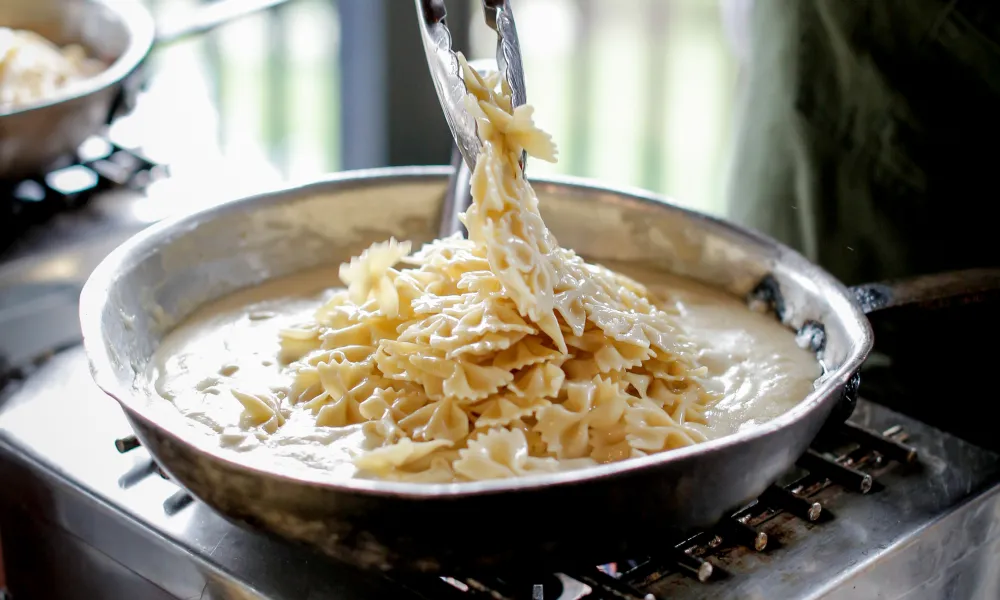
{"x": 99, "y": 166}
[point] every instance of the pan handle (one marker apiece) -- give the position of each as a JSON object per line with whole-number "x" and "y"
{"x": 908, "y": 314}
{"x": 205, "y": 18}
{"x": 930, "y": 292}
{"x": 925, "y": 328}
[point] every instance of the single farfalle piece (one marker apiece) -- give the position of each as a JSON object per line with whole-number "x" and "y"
{"x": 333, "y": 383}
{"x": 522, "y": 132}
{"x": 592, "y": 405}
{"x": 382, "y": 431}
{"x": 651, "y": 429}
{"x": 367, "y": 275}
{"x": 260, "y": 410}
{"x": 394, "y": 361}
{"x": 475, "y": 382}
{"x": 500, "y": 453}
{"x": 487, "y": 344}
{"x": 339, "y": 413}
{"x": 442, "y": 420}
{"x": 365, "y": 334}
{"x": 684, "y": 401}
{"x": 606, "y": 354}
{"x": 479, "y": 314}
{"x": 502, "y": 410}
{"x": 434, "y": 467}
{"x": 297, "y": 341}
{"x": 483, "y": 283}
{"x": 384, "y": 460}
{"x": 338, "y": 311}
{"x": 540, "y": 380}
{"x": 528, "y": 351}
{"x": 451, "y": 261}
{"x": 399, "y": 403}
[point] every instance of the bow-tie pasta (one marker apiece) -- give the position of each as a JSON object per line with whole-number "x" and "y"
{"x": 501, "y": 355}
{"x": 496, "y": 339}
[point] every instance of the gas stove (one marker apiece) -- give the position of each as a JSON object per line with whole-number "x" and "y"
{"x": 85, "y": 513}
{"x": 885, "y": 506}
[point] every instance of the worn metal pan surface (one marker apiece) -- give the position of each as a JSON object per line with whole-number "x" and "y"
{"x": 158, "y": 277}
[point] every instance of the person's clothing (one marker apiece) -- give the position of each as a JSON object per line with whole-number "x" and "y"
{"x": 869, "y": 141}
{"x": 869, "y": 133}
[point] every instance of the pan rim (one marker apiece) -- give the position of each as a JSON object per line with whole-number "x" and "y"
{"x": 95, "y": 291}
{"x": 138, "y": 22}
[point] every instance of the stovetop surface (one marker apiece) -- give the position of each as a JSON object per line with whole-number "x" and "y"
{"x": 62, "y": 428}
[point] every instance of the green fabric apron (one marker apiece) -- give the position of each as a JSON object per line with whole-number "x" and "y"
{"x": 869, "y": 134}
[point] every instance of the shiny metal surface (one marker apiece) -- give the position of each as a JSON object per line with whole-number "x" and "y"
{"x": 458, "y": 197}
{"x": 446, "y": 71}
{"x": 500, "y": 18}
{"x": 175, "y": 266}
{"x": 118, "y": 32}
{"x": 928, "y": 532}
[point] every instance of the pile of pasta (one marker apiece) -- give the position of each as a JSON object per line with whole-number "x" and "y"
{"x": 500, "y": 355}
{"x": 33, "y": 69}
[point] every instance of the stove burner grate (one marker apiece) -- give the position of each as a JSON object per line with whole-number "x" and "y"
{"x": 99, "y": 166}
{"x": 843, "y": 459}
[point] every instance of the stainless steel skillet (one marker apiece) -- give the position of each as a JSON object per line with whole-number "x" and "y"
{"x": 158, "y": 277}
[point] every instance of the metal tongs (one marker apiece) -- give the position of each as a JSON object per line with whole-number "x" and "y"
{"x": 451, "y": 90}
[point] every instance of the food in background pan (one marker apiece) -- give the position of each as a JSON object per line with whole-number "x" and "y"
{"x": 33, "y": 69}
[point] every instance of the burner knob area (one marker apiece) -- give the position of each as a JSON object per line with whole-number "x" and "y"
{"x": 742, "y": 534}
{"x": 696, "y": 566}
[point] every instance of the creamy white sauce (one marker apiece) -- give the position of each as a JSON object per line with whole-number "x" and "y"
{"x": 762, "y": 369}
{"x": 234, "y": 344}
